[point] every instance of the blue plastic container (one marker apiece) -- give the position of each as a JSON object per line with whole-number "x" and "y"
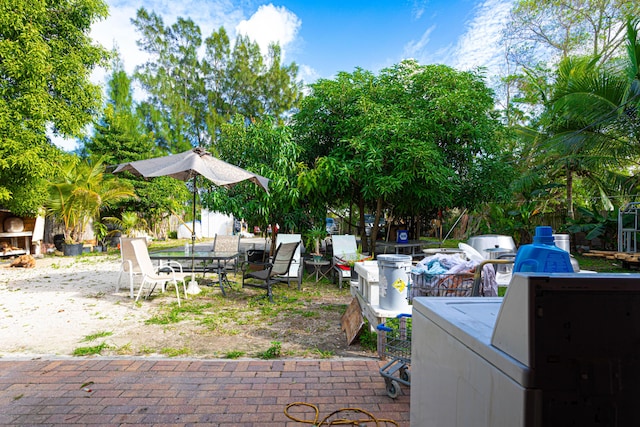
{"x": 543, "y": 256}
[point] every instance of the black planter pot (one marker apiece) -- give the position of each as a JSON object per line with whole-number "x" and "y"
{"x": 58, "y": 241}
{"x": 73, "y": 249}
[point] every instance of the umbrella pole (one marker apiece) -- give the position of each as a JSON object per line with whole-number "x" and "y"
{"x": 193, "y": 285}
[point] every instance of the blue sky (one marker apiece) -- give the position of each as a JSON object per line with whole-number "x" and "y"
{"x": 327, "y": 36}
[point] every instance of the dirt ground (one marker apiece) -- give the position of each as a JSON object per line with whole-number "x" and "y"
{"x": 66, "y": 306}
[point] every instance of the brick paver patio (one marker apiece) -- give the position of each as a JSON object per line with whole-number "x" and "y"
{"x": 171, "y": 392}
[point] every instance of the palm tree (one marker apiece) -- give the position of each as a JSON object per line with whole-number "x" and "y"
{"x": 79, "y": 191}
{"x": 128, "y": 223}
{"x": 590, "y": 126}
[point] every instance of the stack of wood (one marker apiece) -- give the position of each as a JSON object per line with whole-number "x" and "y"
{"x": 625, "y": 257}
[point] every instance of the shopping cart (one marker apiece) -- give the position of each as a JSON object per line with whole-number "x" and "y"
{"x": 441, "y": 285}
{"x": 460, "y": 284}
{"x": 394, "y": 342}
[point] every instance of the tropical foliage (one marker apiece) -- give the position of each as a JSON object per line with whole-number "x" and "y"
{"x": 46, "y": 57}
{"x": 79, "y": 191}
{"x": 120, "y": 136}
{"x": 267, "y": 149}
{"x": 588, "y": 133}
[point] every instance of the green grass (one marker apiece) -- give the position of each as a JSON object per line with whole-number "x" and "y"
{"x": 175, "y": 352}
{"x": 601, "y": 265}
{"x": 234, "y": 354}
{"x": 89, "y": 351}
{"x": 272, "y": 352}
{"x": 368, "y": 339}
{"x": 97, "y": 335}
{"x": 324, "y": 354}
{"x": 291, "y": 322}
{"x": 176, "y": 313}
{"x": 294, "y": 313}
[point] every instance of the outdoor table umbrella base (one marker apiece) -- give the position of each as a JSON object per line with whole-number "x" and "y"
{"x": 193, "y": 288}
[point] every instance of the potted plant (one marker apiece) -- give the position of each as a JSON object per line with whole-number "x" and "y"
{"x": 313, "y": 237}
{"x": 352, "y": 260}
{"x": 100, "y": 231}
{"x": 76, "y": 194}
{"x": 129, "y": 224}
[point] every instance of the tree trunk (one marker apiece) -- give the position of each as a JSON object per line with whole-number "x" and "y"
{"x": 570, "y": 193}
{"x": 376, "y": 225}
{"x": 363, "y": 232}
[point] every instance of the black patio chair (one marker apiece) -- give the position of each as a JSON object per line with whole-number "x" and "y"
{"x": 279, "y": 266}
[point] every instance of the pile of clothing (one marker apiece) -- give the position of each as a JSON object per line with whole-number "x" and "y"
{"x": 451, "y": 275}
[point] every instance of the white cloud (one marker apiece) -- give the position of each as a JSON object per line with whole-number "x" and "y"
{"x": 414, "y": 48}
{"x": 307, "y": 74}
{"x": 271, "y": 24}
{"x": 418, "y": 8}
{"x": 65, "y": 144}
{"x": 480, "y": 46}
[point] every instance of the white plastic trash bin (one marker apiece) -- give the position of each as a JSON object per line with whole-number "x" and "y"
{"x": 394, "y": 276}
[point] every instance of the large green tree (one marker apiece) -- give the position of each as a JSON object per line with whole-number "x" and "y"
{"x": 120, "y": 136}
{"x": 46, "y": 57}
{"x": 408, "y": 141}
{"x": 267, "y": 149}
{"x": 191, "y": 95}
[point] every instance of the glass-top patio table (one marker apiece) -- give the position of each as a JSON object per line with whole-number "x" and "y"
{"x": 203, "y": 261}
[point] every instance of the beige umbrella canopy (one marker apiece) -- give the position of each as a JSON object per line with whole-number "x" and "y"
{"x": 191, "y": 164}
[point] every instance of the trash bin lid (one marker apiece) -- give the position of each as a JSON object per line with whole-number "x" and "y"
{"x": 394, "y": 259}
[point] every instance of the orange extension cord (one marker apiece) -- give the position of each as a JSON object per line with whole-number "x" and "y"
{"x": 338, "y": 421}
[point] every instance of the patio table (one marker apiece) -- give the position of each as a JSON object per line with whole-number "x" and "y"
{"x": 317, "y": 268}
{"x": 412, "y": 248}
{"x": 216, "y": 259}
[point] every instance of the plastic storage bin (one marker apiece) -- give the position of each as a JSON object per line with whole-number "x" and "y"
{"x": 394, "y": 271}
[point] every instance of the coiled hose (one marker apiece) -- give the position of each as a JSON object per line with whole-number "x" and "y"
{"x": 367, "y": 417}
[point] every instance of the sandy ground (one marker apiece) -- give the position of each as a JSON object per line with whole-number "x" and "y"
{"x": 48, "y": 310}
{"x": 51, "y": 310}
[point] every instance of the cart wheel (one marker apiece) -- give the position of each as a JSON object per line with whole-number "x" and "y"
{"x": 405, "y": 375}
{"x": 393, "y": 388}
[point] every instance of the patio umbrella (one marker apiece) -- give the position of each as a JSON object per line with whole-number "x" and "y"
{"x": 189, "y": 165}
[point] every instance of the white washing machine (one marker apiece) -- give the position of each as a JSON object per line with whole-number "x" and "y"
{"x": 559, "y": 350}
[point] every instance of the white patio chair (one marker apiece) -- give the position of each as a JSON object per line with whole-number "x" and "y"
{"x": 345, "y": 249}
{"x": 128, "y": 264}
{"x": 164, "y": 273}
